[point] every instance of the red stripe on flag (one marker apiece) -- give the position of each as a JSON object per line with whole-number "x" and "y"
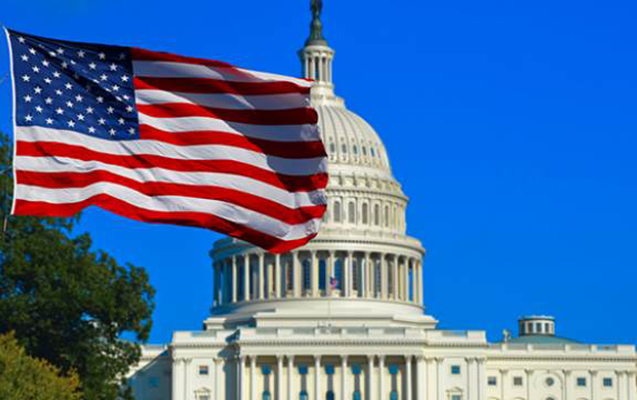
{"x": 195, "y": 219}
{"x": 296, "y": 116}
{"x": 206, "y": 85}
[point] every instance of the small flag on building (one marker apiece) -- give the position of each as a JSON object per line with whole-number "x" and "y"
{"x": 333, "y": 283}
{"x": 163, "y": 138}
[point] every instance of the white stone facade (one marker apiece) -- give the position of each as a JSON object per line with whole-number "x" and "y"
{"x": 342, "y": 318}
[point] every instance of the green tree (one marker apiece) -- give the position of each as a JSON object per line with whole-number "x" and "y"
{"x": 27, "y": 378}
{"x": 69, "y": 304}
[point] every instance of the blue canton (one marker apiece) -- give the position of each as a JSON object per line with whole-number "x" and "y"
{"x": 80, "y": 87}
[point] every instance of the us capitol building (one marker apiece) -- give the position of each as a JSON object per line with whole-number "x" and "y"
{"x": 343, "y": 317}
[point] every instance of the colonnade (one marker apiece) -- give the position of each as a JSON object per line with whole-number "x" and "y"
{"x": 257, "y": 276}
{"x": 376, "y": 377}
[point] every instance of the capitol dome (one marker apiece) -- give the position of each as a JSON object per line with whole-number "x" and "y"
{"x": 362, "y": 258}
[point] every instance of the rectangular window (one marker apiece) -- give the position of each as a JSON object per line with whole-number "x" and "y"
{"x": 203, "y": 370}
{"x": 581, "y": 382}
{"x": 455, "y": 370}
{"x": 456, "y": 397}
{"x": 608, "y": 382}
{"x": 492, "y": 381}
{"x": 517, "y": 381}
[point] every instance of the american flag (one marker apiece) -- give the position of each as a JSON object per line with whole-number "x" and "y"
{"x": 333, "y": 283}
{"x": 164, "y": 138}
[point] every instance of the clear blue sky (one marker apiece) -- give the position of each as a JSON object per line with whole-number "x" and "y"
{"x": 512, "y": 126}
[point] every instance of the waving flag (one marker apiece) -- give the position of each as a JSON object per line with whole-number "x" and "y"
{"x": 164, "y": 138}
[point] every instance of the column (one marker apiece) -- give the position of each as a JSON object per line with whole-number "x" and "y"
{"x": 503, "y": 382}
{"x": 405, "y": 271}
{"x": 217, "y": 369}
{"x": 346, "y": 275}
{"x": 213, "y": 373}
{"x": 187, "y": 389}
{"x": 370, "y": 378}
{"x": 408, "y": 360}
{"x": 362, "y": 285}
{"x": 593, "y": 385}
{"x": 279, "y": 377}
{"x": 290, "y": 366}
{"x": 470, "y": 388}
{"x": 383, "y": 276}
{"x": 369, "y": 292}
{"x": 394, "y": 280}
{"x": 241, "y": 379}
{"x": 567, "y": 382}
{"x": 297, "y": 274}
{"x": 261, "y": 280}
{"x": 177, "y": 378}
{"x": 317, "y": 378}
{"x": 420, "y": 282}
{"x": 277, "y": 273}
{"x": 621, "y": 385}
{"x": 432, "y": 379}
{"x": 439, "y": 372}
{"x": 421, "y": 377}
{"x": 246, "y": 277}
{"x": 253, "y": 380}
{"x": 480, "y": 392}
{"x": 631, "y": 385}
{"x": 344, "y": 377}
{"x": 330, "y": 273}
{"x": 269, "y": 278}
{"x": 235, "y": 285}
{"x": 314, "y": 273}
{"x": 381, "y": 377}
{"x": 529, "y": 379}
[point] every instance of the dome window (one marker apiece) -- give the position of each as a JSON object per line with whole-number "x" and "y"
{"x": 351, "y": 212}
{"x": 337, "y": 211}
{"x": 376, "y": 215}
{"x": 344, "y": 148}
{"x": 364, "y": 149}
{"x": 355, "y": 148}
{"x": 365, "y": 212}
{"x": 332, "y": 148}
{"x": 371, "y": 149}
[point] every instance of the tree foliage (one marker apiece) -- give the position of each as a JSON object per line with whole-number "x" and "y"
{"x": 27, "y": 378}
{"x": 67, "y": 303}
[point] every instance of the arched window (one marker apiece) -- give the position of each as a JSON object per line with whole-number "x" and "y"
{"x": 351, "y": 212}
{"x": 371, "y": 149}
{"x": 365, "y": 213}
{"x": 376, "y": 214}
{"x": 386, "y": 216}
{"x": 395, "y": 217}
{"x": 355, "y": 148}
{"x": 344, "y": 148}
{"x": 332, "y": 148}
{"x": 364, "y": 150}
{"x": 337, "y": 211}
